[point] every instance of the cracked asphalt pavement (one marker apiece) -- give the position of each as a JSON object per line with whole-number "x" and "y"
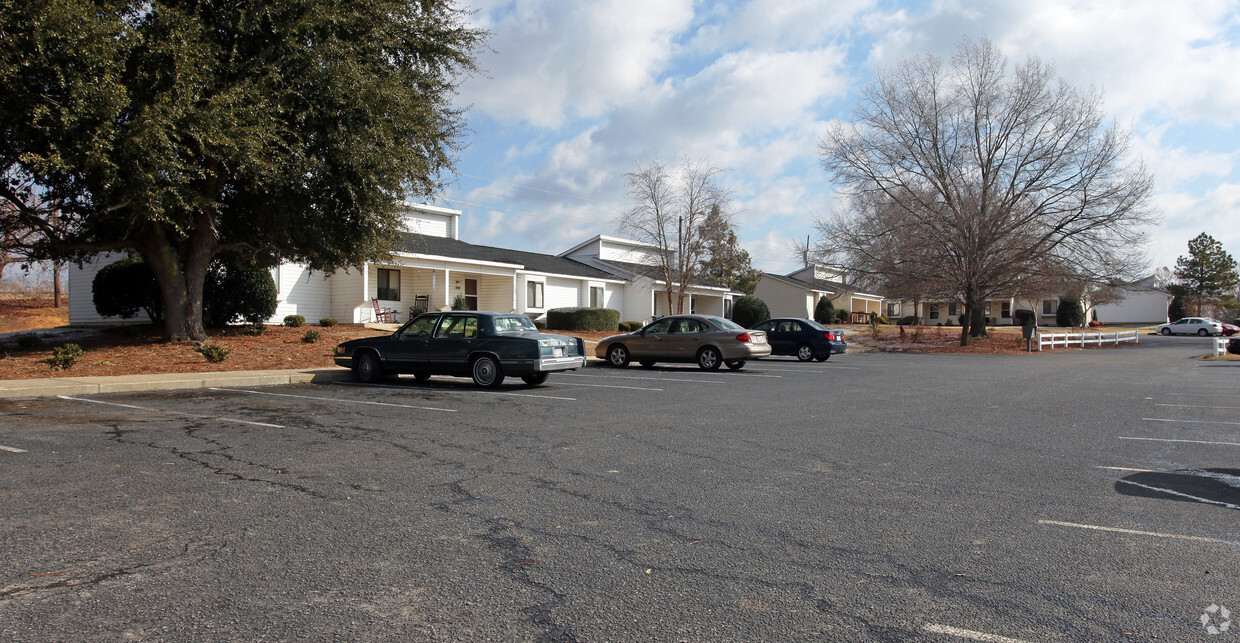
{"x": 1082, "y": 495}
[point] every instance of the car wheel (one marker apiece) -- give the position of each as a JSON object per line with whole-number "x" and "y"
{"x": 618, "y": 356}
{"x": 647, "y": 363}
{"x": 486, "y": 372}
{"x": 824, "y": 357}
{"x": 736, "y": 364}
{"x": 534, "y": 379}
{"x": 1165, "y": 331}
{"x": 368, "y": 369}
{"x": 709, "y": 358}
{"x": 805, "y": 352}
{"x": 421, "y": 376}
{"x": 1203, "y": 332}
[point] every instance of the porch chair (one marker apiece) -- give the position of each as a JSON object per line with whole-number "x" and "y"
{"x": 383, "y": 315}
{"x": 420, "y": 305}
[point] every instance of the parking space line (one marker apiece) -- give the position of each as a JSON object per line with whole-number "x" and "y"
{"x": 333, "y": 399}
{"x": 653, "y": 379}
{"x": 1198, "y": 406}
{"x": 1228, "y": 444}
{"x": 1129, "y": 469}
{"x": 11, "y": 449}
{"x": 824, "y": 368}
{"x": 1135, "y": 532}
{"x": 631, "y": 388}
{"x": 171, "y": 412}
{"x": 1191, "y": 421}
{"x": 472, "y": 391}
{"x": 1220, "y": 503}
{"x": 970, "y": 635}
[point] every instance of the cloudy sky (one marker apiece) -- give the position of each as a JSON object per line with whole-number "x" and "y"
{"x": 576, "y": 93}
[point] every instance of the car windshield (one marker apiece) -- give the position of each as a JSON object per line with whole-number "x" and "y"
{"x": 726, "y": 324}
{"x": 813, "y": 324}
{"x": 514, "y": 324}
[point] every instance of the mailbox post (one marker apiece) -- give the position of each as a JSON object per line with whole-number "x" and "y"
{"x": 1028, "y": 332}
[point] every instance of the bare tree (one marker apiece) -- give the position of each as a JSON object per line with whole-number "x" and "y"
{"x": 988, "y": 179}
{"x": 669, "y": 209}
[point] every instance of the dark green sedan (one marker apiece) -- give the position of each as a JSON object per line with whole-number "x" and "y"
{"x": 483, "y": 345}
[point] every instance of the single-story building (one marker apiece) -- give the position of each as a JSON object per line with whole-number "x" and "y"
{"x": 1144, "y": 301}
{"x": 797, "y": 293}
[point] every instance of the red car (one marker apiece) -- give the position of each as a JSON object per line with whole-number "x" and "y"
{"x": 1229, "y": 329}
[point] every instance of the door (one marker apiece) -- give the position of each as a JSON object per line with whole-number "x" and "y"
{"x": 683, "y": 340}
{"x": 471, "y": 294}
{"x": 452, "y": 343}
{"x": 650, "y": 344}
{"x": 408, "y": 351}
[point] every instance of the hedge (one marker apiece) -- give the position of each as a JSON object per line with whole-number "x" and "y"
{"x": 583, "y": 318}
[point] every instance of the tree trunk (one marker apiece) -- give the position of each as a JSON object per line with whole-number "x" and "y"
{"x": 180, "y": 285}
{"x": 56, "y": 266}
{"x": 977, "y": 327}
{"x": 964, "y": 323}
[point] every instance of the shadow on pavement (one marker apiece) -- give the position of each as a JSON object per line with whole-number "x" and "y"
{"x": 1211, "y": 486}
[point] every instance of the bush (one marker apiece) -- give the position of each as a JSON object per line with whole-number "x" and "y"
{"x": 540, "y": 324}
{"x": 213, "y": 353}
{"x": 1176, "y": 309}
{"x": 310, "y": 337}
{"x": 749, "y": 310}
{"x": 1070, "y": 313}
{"x": 64, "y": 357}
{"x": 237, "y": 290}
{"x": 29, "y": 341}
{"x": 126, "y": 287}
{"x": 294, "y": 321}
{"x": 1025, "y": 317}
{"x": 630, "y": 326}
{"x": 907, "y": 320}
{"x": 841, "y": 316}
{"x": 824, "y": 311}
{"x": 459, "y": 303}
{"x": 583, "y": 318}
{"x": 881, "y": 319}
{"x": 327, "y": 322}
{"x": 254, "y": 330}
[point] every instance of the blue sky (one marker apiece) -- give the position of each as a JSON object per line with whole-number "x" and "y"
{"x": 577, "y": 93}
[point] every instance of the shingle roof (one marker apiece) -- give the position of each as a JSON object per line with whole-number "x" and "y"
{"x": 532, "y": 261}
{"x": 654, "y": 272}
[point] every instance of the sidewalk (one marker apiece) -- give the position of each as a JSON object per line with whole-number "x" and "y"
{"x": 52, "y": 386}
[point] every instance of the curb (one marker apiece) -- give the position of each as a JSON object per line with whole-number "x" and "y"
{"x": 53, "y": 386}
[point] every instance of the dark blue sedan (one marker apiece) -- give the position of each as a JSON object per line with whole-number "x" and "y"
{"x": 805, "y": 338}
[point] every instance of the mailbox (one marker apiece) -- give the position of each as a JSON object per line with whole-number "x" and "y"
{"x": 1028, "y": 331}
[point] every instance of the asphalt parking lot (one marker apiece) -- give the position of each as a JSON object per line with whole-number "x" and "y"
{"x": 1080, "y": 495}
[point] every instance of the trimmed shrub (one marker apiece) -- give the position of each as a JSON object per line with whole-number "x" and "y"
{"x": 237, "y": 290}
{"x": 1176, "y": 309}
{"x": 583, "y": 318}
{"x": 327, "y": 322}
{"x": 310, "y": 337}
{"x": 459, "y": 303}
{"x": 28, "y": 342}
{"x": 213, "y": 353}
{"x": 294, "y": 321}
{"x": 1070, "y": 314}
{"x": 540, "y": 324}
{"x": 254, "y": 330}
{"x": 64, "y": 357}
{"x": 841, "y": 316}
{"x": 907, "y": 320}
{"x": 1025, "y": 317}
{"x": 126, "y": 287}
{"x": 824, "y": 311}
{"x": 630, "y": 326}
{"x": 749, "y": 310}
{"x": 881, "y": 319}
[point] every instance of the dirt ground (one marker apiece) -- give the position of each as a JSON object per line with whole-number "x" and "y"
{"x": 138, "y": 349}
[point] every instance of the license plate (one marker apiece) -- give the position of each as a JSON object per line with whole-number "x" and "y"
{"x": 760, "y": 340}
{"x": 558, "y": 351}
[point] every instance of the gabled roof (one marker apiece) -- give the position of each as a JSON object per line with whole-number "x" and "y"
{"x": 529, "y": 261}
{"x": 652, "y": 272}
{"x": 821, "y": 285}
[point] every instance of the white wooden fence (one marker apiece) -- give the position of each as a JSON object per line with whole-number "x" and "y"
{"x": 1053, "y": 340}
{"x": 1220, "y": 346}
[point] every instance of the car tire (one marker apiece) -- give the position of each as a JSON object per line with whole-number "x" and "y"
{"x": 805, "y": 352}
{"x": 824, "y": 357}
{"x": 709, "y": 359}
{"x": 486, "y": 372}
{"x": 618, "y": 356}
{"x": 736, "y": 364}
{"x": 1204, "y": 333}
{"x": 1165, "y": 331}
{"x": 421, "y": 376}
{"x": 647, "y": 363}
{"x": 534, "y": 379}
{"x": 368, "y": 368}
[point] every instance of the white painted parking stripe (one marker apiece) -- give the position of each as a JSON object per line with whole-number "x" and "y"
{"x": 11, "y": 449}
{"x": 969, "y": 634}
{"x": 449, "y": 390}
{"x": 652, "y": 379}
{"x": 1191, "y": 421}
{"x": 631, "y": 388}
{"x": 170, "y": 412}
{"x": 1135, "y": 532}
{"x": 1198, "y": 406}
{"x": 1128, "y": 469}
{"x": 334, "y": 399}
{"x": 1227, "y": 444}
{"x": 1219, "y": 503}
{"x": 821, "y": 369}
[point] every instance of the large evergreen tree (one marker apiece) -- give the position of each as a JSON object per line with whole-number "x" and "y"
{"x": 278, "y": 130}
{"x": 1207, "y": 271}
{"x": 726, "y": 262}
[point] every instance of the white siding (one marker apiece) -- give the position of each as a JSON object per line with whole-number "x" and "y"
{"x": 349, "y": 304}
{"x": 432, "y": 221}
{"x": 617, "y": 251}
{"x": 304, "y": 292}
{"x": 784, "y": 299}
{"x": 1139, "y": 307}
{"x": 563, "y": 293}
{"x": 81, "y": 294}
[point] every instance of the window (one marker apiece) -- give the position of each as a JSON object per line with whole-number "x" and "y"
{"x": 1049, "y": 306}
{"x": 458, "y": 327}
{"x": 533, "y": 294}
{"x": 953, "y": 310}
{"x": 934, "y": 311}
{"x": 389, "y": 284}
{"x": 891, "y": 309}
{"x": 727, "y": 308}
{"x": 596, "y": 296}
{"x": 1005, "y": 310}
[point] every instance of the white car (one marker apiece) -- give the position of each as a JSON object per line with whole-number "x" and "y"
{"x": 1192, "y": 326}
